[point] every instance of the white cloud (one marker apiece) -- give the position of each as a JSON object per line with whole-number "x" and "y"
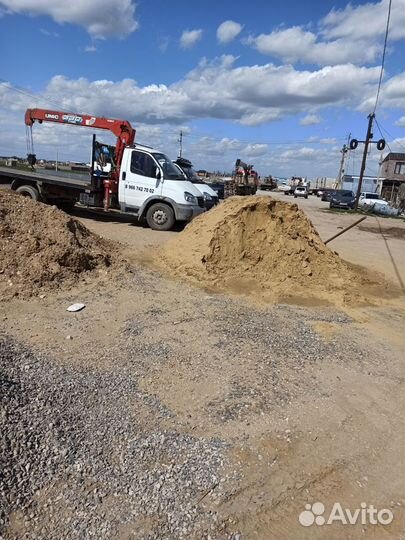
{"x": 101, "y": 18}
{"x": 90, "y": 48}
{"x": 303, "y": 153}
{"x": 400, "y": 122}
{"x": 310, "y": 120}
{"x": 353, "y": 34}
{"x": 391, "y": 95}
{"x": 228, "y": 30}
{"x": 189, "y": 38}
{"x": 327, "y": 140}
{"x": 255, "y": 150}
{"x": 296, "y": 44}
{"x": 250, "y": 95}
{"x": 398, "y": 144}
{"x": 365, "y": 21}
{"x": 48, "y": 33}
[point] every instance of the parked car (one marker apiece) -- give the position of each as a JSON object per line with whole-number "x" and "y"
{"x": 218, "y": 187}
{"x": 301, "y": 191}
{"x": 342, "y": 198}
{"x": 319, "y": 191}
{"x": 368, "y": 199}
{"x": 327, "y": 194}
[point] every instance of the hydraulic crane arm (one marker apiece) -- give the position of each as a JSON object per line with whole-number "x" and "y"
{"x": 123, "y": 130}
{"x": 120, "y": 128}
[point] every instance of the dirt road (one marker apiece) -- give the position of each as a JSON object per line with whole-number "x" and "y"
{"x": 264, "y": 409}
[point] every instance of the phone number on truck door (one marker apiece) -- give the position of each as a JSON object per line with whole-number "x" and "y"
{"x": 140, "y": 188}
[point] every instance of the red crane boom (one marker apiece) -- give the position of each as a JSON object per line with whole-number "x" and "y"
{"x": 121, "y": 128}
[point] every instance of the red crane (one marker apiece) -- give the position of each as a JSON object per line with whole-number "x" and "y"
{"x": 121, "y": 128}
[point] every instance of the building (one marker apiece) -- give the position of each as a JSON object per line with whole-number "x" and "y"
{"x": 392, "y": 175}
{"x": 350, "y": 181}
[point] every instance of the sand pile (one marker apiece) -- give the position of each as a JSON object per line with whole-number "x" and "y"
{"x": 42, "y": 247}
{"x": 265, "y": 247}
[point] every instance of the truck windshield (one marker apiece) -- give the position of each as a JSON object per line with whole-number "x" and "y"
{"x": 192, "y": 175}
{"x": 170, "y": 172}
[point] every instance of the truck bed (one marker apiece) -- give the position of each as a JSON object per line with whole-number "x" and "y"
{"x": 72, "y": 180}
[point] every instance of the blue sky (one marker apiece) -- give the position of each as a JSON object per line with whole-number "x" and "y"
{"x": 275, "y": 84}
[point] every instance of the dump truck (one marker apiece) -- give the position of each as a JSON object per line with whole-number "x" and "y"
{"x": 267, "y": 183}
{"x": 244, "y": 180}
{"x": 129, "y": 178}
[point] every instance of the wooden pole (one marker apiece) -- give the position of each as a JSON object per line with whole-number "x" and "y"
{"x": 346, "y": 229}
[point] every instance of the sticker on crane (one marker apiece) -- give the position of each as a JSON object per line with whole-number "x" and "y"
{"x": 72, "y": 119}
{"x": 90, "y": 121}
{"x": 50, "y": 116}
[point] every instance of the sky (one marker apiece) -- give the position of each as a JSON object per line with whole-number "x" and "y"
{"x": 275, "y": 84}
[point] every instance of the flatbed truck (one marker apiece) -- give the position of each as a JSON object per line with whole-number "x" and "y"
{"x": 132, "y": 179}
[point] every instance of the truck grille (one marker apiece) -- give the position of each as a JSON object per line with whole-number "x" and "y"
{"x": 200, "y": 201}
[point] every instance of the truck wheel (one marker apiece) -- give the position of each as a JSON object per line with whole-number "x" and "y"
{"x": 160, "y": 217}
{"x": 29, "y": 191}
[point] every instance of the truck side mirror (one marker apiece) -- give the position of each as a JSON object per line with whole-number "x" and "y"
{"x": 158, "y": 174}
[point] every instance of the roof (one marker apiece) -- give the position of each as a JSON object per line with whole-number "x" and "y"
{"x": 397, "y": 156}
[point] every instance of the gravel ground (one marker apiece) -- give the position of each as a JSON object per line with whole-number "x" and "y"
{"x": 76, "y": 463}
{"x": 156, "y": 434}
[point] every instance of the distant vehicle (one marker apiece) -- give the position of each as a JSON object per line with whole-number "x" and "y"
{"x": 342, "y": 199}
{"x": 218, "y": 187}
{"x": 286, "y": 188}
{"x": 268, "y": 183}
{"x": 327, "y": 194}
{"x": 301, "y": 191}
{"x": 368, "y": 199}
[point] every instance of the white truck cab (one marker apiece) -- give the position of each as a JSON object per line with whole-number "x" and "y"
{"x": 186, "y": 168}
{"x": 152, "y": 187}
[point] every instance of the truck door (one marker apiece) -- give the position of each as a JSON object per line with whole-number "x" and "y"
{"x": 141, "y": 181}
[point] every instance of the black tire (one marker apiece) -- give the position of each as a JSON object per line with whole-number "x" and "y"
{"x": 29, "y": 191}
{"x": 160, "y": 217}
{"x": 306, "y": 196}
{"x": 295, "y": 196}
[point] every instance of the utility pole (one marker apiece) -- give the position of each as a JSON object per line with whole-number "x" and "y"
{"x": 181, "y": 143}
{"x": 369, "y": 136}
{"x": 341, "y": 169}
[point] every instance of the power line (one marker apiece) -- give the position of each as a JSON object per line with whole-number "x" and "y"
{"x": 37, "y": 97}
{"x": 389, "y": 135}
{"x": 383, "y": 56}
{"x": 382, "y": 136}
{"x": 198, "y": 137}
{"x": 26, "y": 93}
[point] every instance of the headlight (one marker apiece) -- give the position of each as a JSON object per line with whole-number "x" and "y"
{"x": 190, "y": 198}
{"x": 207, "y": 196}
